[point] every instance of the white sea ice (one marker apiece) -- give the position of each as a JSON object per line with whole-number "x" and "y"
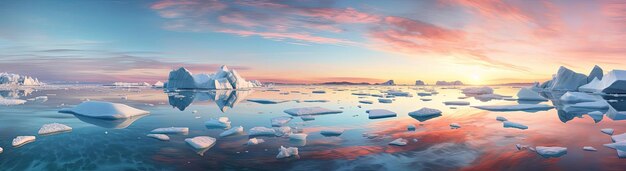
{"x": 255, "y": 141}
{"x": 282, "y": 131}
{"x": 425, "y": 112}
{"x": 380, "y": 113}
{"x": 232, "y": 131}
{"x": 311, "y": 111}
{"x": 529, "y": 95}
{"x": 399, "y": 142}
{"x": 201, "y": 142}
{"x": 21, "y": 140}
{"x": 517, "y": 107}
{"x": 280, "y": 121}
{"x": 104, "y": 110}
{"x": 53, "y": 128}
{"x": 287, "y": 152}
{"x": 162, "y": 137}
{"x": 300, "y": 136}
{"x": 171, "y": 130}
{"x": 261, "y": 131}
{"x": 551, "y": 151}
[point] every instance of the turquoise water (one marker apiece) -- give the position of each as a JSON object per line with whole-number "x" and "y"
{"x": 480, "y": 144}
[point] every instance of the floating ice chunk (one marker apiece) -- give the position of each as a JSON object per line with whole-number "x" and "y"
{"x": 267, "y": 101}
{"x": 282, "y": 131}
{"x": 311, "y": 111}
{"x": 457, "y": 103}
{"x": 280, "y": 121}
{"x": 455, "y": 126}
{"x": 611, "y": 83}
{"x": 1, "y": 150}
{"x": 487, "y": 97}
{"x": 380, "y": 113}
{"x": 551, "y": 151}
{"x": 399, "y": 142}
{"x": 161, "y": 137}
{"x": 221, "y": 122}
{"x": 315, "y": 101}
{"x": 318, "y": 91}
{"x": 287, "y": 152}
{"x": 21, "y": 140}
{"x": 518, "y": 107}
{"x": 171, "y": 130}
{"x": 232, "y": 131}
{"x": 261, "y": 131}
{"x": 587, "y": 105}
{"x": 53, "y": 128}
{"x": 299, "y": 137}
{"x": 411, "y": 127}
{"x": 501, "y": 118}
{"x": 618, "y": 138}
{"x": 521, "y": 147}
{"x": 620, "y": 145}
{"x": 509, "y": 124}
{"x": 307, "y": 118}
{"x": 425, "y": 99}
{"x": 255, "y": 141}
{"x": 361, "y": 94}
{"x": 201, "y": 142}
{"x": 566, "y": 79}
{"x": 382, "y": 100}
{"x": 529, "y": 95}
{"x": 399, "y": 93}
{"x": 332, "y": 132}
{"x": 104, "y": 110}
{"x": 592, "y": 87}
{"x": 11, "y": 102}
{"x": 424, "y": 94}
{"x": 589, "y": 148}
{"x": 366, "y": 101}
{"x": 425, "y": 112}
{"x": 478, "y": 90}
{"x": 578, "y": 97}
{"x": 608, "y": 131}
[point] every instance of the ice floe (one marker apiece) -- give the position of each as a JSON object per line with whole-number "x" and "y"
{"x": 332, "y": 132}
{"x": 399, "y": 142}
{"x": 589, "y": 148}
{"x": 232, "y": 131}
{"x": 287, "y": 152}
{"x": 318, "y": 91}
{"x": 104, "y": 110}
{"x": 608, "y": 131}
{"x": 282, "y": 131}
{"x": 161, "y": 137}
{"x": 11, "y": 102}
{"x": 425, "y": 112}
{"x": 478, "y": 90}
{"x": 517, "y": 107}
{"x": 311, "y": 111}
{"x": 171, "y": 130}
{"x": 255, "y": 141}
{"x": 299, "y": 137}
{"x": 261, "y": 131}
{"x": 529, "y": 95}
{"x": 383, "y": 100}
{"x": 457, "y": 103}
{"x": 280, "y": 121}
{"x": 307, "y": 118}
{"x": 366, "y": 101}
{"x": 53, "y": 128}
{"x": 221, "y": 122}
{"x": 551, "y": 151}
{"x": 315, "y": 101}
{"x": 201, "y": 142}
{"x": 509, "y": 124}
{"x": 380, "y": 113}
{"x": 267, "y": 101}
{"x": 501, "y": 118}
{"x": 611, "y": 83}
{"x": 21, "y": 140}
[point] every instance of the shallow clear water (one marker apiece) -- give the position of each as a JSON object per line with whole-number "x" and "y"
{"x": 480, "y": 144}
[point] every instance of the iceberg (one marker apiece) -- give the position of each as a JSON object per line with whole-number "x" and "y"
{"x": 398, "y": 93}
{"x": 255, "y": 141}
{"x": 577, "y": 97}
{"x": 613, "y": 82}
{"x": 620, "y": 145}
{"x": 20, "y": 80}
{"x": 282, "y": 131}
{"x": 267, "y": 101}
{"x": 287, "y": 152}
{"x": 596, "y": 73}
{"x": 608, "y": 131}
{"x": 509, "y": 124}
{"x": 21, "y": 140}
{"x": 161, "y": 137}
{"x": 399, "y": 142}
{"x": 419, "y": 83}
{"x": 171, "y": 130}
{"x": 591, "y": 87}
{"x": 332, "y": 132}
{"x": 477, "y": 90}
{"x": 457, "y": 103}
{"x": 311, "y": 111}
{"x": 201, "y": 142}
{"x": 601, "y": 105}
{"x": 380, "y": 113}
{"x": 232, "y": 131}
{"x": 221, "y": 122}
{"x": 529, "y": 95}
{"x": 518, "y": 107}
{"x": 104, "y": 110}
{"x": 548, "y": 152}
{"x": 425, "y": 112}
{"x": 223, "y": 79}
{"x": 388, "y": 83}
{"x": 567, "y": 80}
{"x": 299, "y": 137}
{"x": 261, "y": 131}
{"x": 158, "y": 84}
{"x": 280, "y": 121}
{"x": 53, "y": 128}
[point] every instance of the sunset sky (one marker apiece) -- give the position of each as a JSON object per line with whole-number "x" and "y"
{"x": 310, "y": 41}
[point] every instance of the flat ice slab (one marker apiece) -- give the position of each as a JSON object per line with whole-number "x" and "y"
{"x": 366, "y": 101}
{"x": 509, "y": 124}
{"x": 221, "y": 122}
{"x": 161, "y": 137}
{"x": 551, "y": 151}
{"x": 619, "y": 137}
{"x": 232, "y": 131}
{"x": 501, "y": 118}
{"x": 518, "y": 107}
{"x": 577, "y": 97}
{"x": 380, "y": 113}
{"x": 267, "y": 101}
{"x": 201, "y": 142}
{"x": 255, "y": 141}
{"x": 171, "y": 130}
{"x": 589, "y": 148}
{"x": 311, "y": 111}
{"x": 455, "y": 126}
{"x": 11, "y": 102}
{"x": 286, "y": 152}
{"x": 425, "y": 112}
{"x": 332, "y": 132}
{"x": 457, "y": 103}
{"x": 261, "y": 131}
{"x": 382, "y": 100}
{"x": 53, "y": 128}
{"x": 105, "y": 110}
{"x": 307, "y": 118}
{"x": 299, "y": 137}
{"x": 21, "y": 140}
{"x": 280, "y": 121}
{"x": 608, "y": 131}
{"x": 399, "y": 142}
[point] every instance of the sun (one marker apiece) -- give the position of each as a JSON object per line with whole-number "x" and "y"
{"x": 475, "y": 78}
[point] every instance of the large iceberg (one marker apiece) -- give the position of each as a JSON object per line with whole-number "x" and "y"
{"x": 526, "y": 94}
{"x": 389, "y": 82}
{"x": 419, "y": 83}
{"x": 613, "y": 82}
{"x": 15, "y": 79}
{"x": 596, "y": 73}
{"x": 223, "y": 79}
{"x": 104, "y": 110}
{"x": 566, "y": 80}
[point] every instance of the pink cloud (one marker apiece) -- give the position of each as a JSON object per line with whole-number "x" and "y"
{"x": 282, "y": 36}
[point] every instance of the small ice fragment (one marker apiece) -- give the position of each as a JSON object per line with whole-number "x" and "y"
{"x": 221, "y": 122}
{"x": 255, "y": 141}
{"x": 171, "y": 130}
{"x": 194, "y": 111}
{"x": 21, "y": 140}
{"x": 551, "y": 151}
{"x": 299, "y": 137}
{"x": 457, "y": 103}
{"x": 53, "y": 128}
{"x": 282, "y": 131}
{"x": 589, "y": 148}
{"x": 161, "y": 137}
{"x": 267, "y": 101}
{"x": 332, "y": 132}
{"x": 608, "y": 131}
{"x": 307, "y": 118}
{"x": 411, "y": 127}
{"x": 620, "y": 145}
{"x": 366, "y": 101}
{"x": 280, "y": 121}
{"x": 455, "y": 126}
{"x": 104, "y": 110}
{"x": 286, "y": 152}
{"x": 399, "y": 142}
{"x": 201, "y": 142}
{"x": 501, "y": 118}
{"x": 232, "y": 131}
{"x": 380, "y": 113}
{"x": 509, "y": 124}
{"x": 261, "y": 131}
{"x": 424, "y": 112}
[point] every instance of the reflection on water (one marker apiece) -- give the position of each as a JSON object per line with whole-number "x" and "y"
{"x": 224, "y": 99}
{"x": 107, "y": 123}
{"x": 15, "y": 94}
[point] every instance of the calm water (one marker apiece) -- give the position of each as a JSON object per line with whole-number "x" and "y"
{"x": 480, "y": 144}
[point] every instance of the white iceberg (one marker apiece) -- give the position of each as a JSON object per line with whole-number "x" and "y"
{"x": 232, "y": 131}
{"x": 612, "y": 83}
{"x": 299, "y": 137}
{"x": 529, "y": 95}
{"x": 104, "y": 110}
{"x": 591, "y": 87}
{"x": 161, "y": 137}
{"x": 457, "y": 103}
{"x": 221, "y": 122}
{"x": 53, "y": 128}
{"x": 158, "y": 84}
{"x": 171, "y": 130}
{"x": 509, "y": 124}
{"x": 399, "y": 142}
{"x": 551, "y": 151}
{"x": 383, "y": 100}
{"x": 280, "y": 121}
{"x": 332, "y": 132}
{"x": 478, "y": 90}
{"x": 224, "y": 78}
{"x": 318, "y": 91}
{"x": 620, "y": 145}
{"x": 380, "y": 113}
{"x": 21, "y": 140}
{"x": 267, "y": 101}
{"x": 286, "y": 152}
{"x": 518, "y": 107}
{"x": 608, "y": 131}
{"x": 15, "y": 79}
{"x": 618, "y": 138}
{"x": 282, "y": 131}
{"x": 566, "y": 80}
{"x": 261, "y": 131}
{"x": 255, "y": 141}
{"x": 201, "y": 142}
{"x": 425, "y": 112}
{"x": 311, "y": 111}
{"x": 578, "y": 97}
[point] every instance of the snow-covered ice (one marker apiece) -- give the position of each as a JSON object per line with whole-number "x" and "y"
{"x": 399, "y": 142}
{"x": 201, "y": 142}
{"x": 311, "y": 111}
{"x": 517, "y": 107}
{"x": 162, "y": 137}
{"x": 11, "y": 102}
{"x": 255, "y": 141}
{"x": 232, "y": 131}
{"x": 282, "y": 131}
{"x": 21, "y": 140}
{"x": 551, "y": 151}
{"x": 171, "y": 130}
{"x": 280, "y": 121}
{"x": 425, "y": 112}
{"x": 261, "y": 131}
{"x": 332, "y": 132}
{"x": 380, "y": 113}
{"x": 608, "y": 131}
{"x": 53, "y": 128}
{"x": 221, "y": 122}
{"x": 286, "y": 152}
{"x": 104, "y": 110}
{"x": 509, "y": 124}
{"x": 300, "y": 136}
{"x": 589, "y": 148}
{"x": 457, "y": 103}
